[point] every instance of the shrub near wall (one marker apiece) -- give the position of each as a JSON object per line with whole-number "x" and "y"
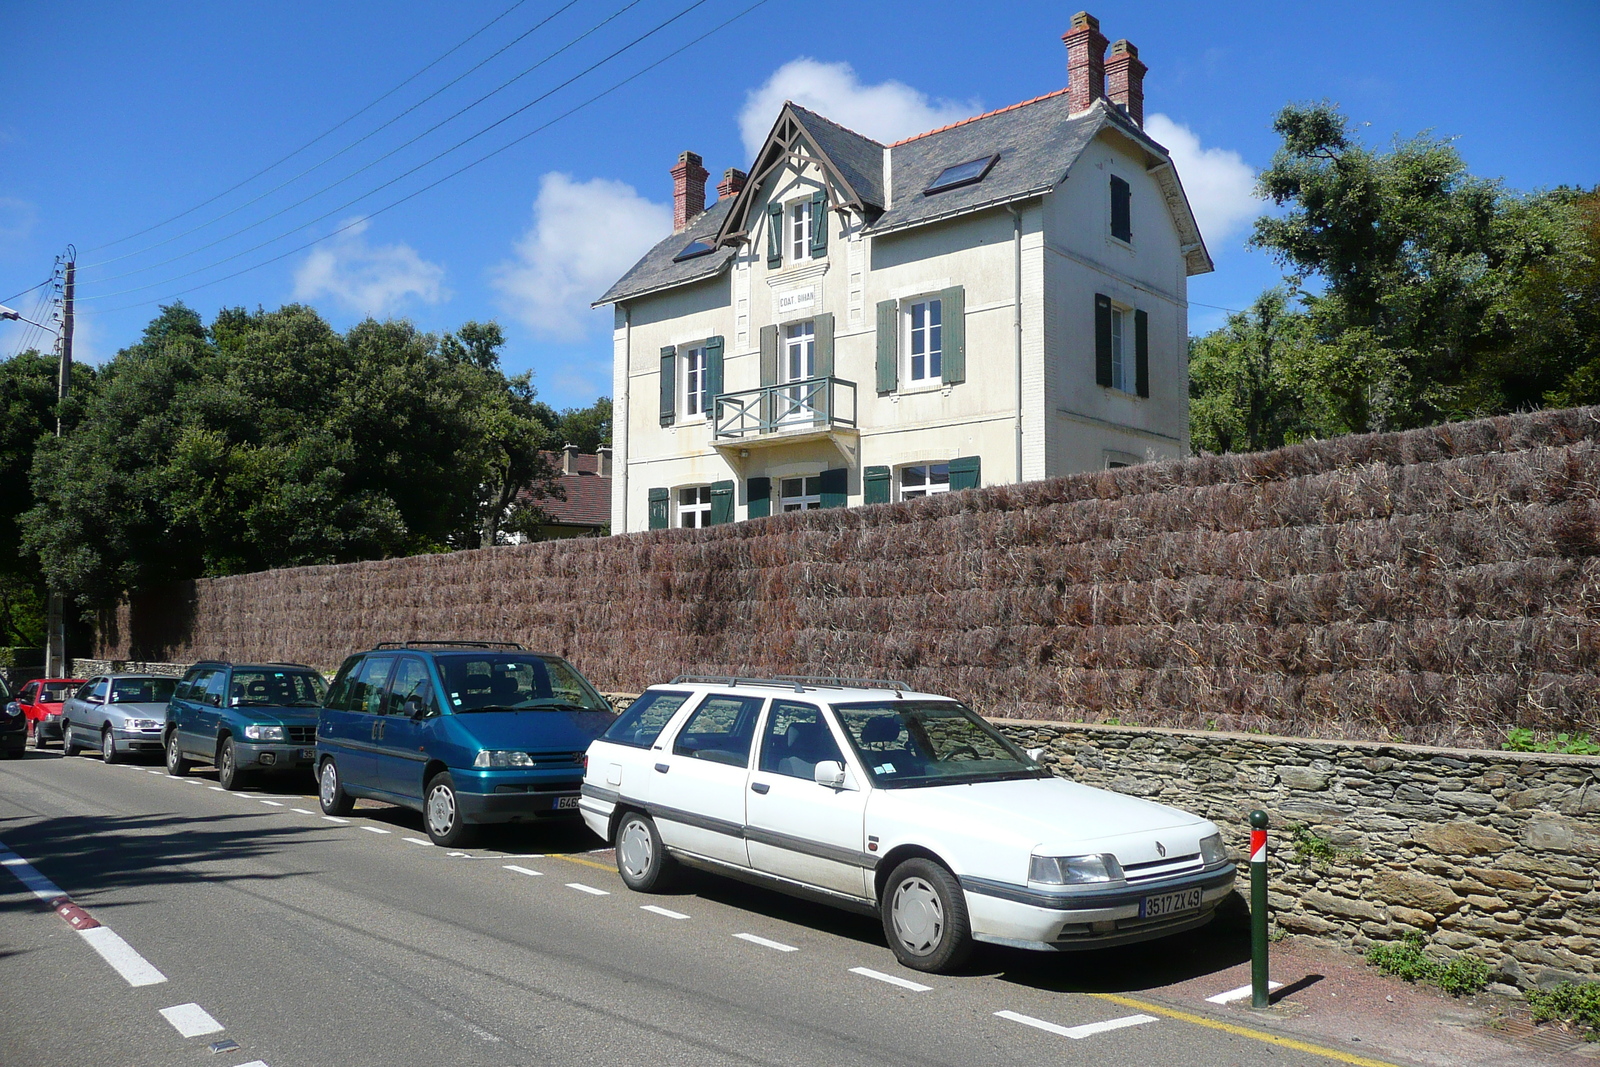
{"x": 1489, "y": 854}
{"x": 1433, "y": 586}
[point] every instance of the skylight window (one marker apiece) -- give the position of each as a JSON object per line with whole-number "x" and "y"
{"x": 691, "y": 250}
{"x": 969, "y": 173}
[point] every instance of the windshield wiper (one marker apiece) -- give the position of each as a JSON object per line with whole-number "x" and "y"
{"x": 488, "y": 707}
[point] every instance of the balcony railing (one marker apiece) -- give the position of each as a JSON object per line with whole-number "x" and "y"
{"x": 794, "y": 407}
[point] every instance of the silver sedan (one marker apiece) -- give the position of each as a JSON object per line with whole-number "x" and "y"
{"x": 120, "y": 714}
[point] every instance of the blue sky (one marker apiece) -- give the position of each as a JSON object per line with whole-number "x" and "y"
{"x": 116, "y": 117}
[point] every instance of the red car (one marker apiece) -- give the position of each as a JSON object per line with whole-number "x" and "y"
{"x": 41, "y": 701}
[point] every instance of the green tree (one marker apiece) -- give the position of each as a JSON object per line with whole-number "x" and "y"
{"x": 1245, "y": 394}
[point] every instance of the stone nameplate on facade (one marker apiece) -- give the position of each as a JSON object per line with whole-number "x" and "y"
{"x": 796, "y": 302}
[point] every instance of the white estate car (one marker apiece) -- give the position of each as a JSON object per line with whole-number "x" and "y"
{"x": 900, "y": 804}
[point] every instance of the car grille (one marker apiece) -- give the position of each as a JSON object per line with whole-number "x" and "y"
{"x": 302, "y": 735}
{"x": 1163, "y": 868}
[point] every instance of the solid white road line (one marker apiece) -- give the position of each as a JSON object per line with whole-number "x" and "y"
{"x": 580, "y": 887}
{"x": 191, "y": 1020}
{"x": 764, "y": 943}
{"x": 1077, "y": 1033}
{"x": 302, "y": 811}
{"x": 1239, "y": 994}
{"x": 124, "y": 960}
{"x": 37, "y": 884}
{"x": 218, "y": 789}
{"x": 272, "y": 803}
{"x": 524, "y": 870}
{"x": 374, "y": 830}
{"x": 417, "y": 841}
{"x": 663, "y": 911}
{"x": 903, "y": 983}
{"x": 333, "y": 818}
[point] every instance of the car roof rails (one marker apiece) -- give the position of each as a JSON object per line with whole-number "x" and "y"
{"x": 426, "y": 643}
{"x": 798, "y": 682}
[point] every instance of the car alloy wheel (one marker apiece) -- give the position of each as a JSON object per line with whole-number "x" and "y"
{"x": 918, "y": 916}
{"x": 69, "y": 747}
{"x": 228, "y": 774}
{"x": 177, "y": 765}
{"x": 108, "y": 746}
{"x": 441, "y": 813}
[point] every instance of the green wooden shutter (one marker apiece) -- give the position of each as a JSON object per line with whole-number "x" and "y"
{"x": 966, "y": 472}
{"x": 888, "y": 350}
{"x": 819, "y": 224}
{"x": 669, "y": 385}
{"x": 953, "y": 335}
{"x": 835, "y": 488}
{"x": 759, "y": 492}
{"x": 774, "y": 235}
{"x": 713, "y": 376}
{"x": 822, "y": 327}
{"x": 769, "y": 371}
{"x": 875, "y": 485}
{"x": 1141, "y": 349}
{"x": 1102, "y": 339}
{"x": 1121, "y": 210}
{"x": 721, "y": 502}
{"x": 658, "y": 508}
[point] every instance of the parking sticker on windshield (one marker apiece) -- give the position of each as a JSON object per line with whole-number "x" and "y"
{"x": 884, "y": 768}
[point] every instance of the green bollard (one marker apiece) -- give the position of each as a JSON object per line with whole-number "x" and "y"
{"x": 1258, "y": 909}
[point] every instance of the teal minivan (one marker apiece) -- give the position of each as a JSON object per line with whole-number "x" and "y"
{"x": 466, "y": 732}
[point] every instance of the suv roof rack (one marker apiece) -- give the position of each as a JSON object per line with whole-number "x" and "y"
{"x": 798, "y": 682}
{"x": 424, "y": 642}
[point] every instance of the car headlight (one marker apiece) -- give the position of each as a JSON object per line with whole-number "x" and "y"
{"x": 257, "y": 732}
{"x": 1074, "y": 870}
{"x": 1212, "y": 850}
{"x": 502, "y": 759}
{"x": 143, "y": 724}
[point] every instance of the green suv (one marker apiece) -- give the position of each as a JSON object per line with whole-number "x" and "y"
{"x": 244, "y": 718}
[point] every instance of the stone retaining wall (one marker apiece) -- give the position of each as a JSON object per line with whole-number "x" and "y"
{"x": 88, "y": 668}
{"x": 1488, "y": 853}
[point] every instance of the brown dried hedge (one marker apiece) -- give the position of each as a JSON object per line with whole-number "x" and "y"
{"x": 1435, "y": 586}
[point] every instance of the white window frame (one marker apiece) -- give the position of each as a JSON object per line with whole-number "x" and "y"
{"x": 1122, "y": 345}
{"x": 695, "y": 514}
{"x": 804, "y": 501}
{"x": 908, "y": 334}
{"x": 695, "y": 385}
{"x": 799, "y": 342}
{"x": 797, "y": 229}
{"x": 928, "y": 487}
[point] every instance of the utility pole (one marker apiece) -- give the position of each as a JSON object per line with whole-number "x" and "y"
{"x": 55, "y": 642}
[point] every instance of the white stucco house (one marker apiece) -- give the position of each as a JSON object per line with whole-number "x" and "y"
{"x": 999, "y": 300}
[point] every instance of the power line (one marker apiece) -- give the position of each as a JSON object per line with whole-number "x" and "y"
{"x": 342, "y": 123}
{"x": 368, "y": 166}
{"x": 28, "y": 290}
{"x": 427, "y": 162}
{"x": 461, "y": 170}
{"x": 327, "y": 159}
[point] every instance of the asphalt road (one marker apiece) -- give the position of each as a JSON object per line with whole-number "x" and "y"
{"x": 310, "y": 941}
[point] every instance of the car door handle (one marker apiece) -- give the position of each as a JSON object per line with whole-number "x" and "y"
{"x": 663, "y": 768}
{"x": 761, "y": 787}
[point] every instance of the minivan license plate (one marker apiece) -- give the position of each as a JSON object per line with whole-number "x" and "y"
{"x": 572, "y": 802}
{"x": 1169, "y": 903}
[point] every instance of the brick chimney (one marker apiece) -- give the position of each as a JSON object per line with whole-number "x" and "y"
{"x": 1086, "y": 61}
{"x": 688, "y": 190}
{"x": 1125, "y": 80}
{"x": 732, "y": 182}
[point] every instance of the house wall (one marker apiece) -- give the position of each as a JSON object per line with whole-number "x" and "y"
{"x": 1088, "y": 421}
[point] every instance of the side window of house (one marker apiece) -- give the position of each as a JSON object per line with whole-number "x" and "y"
{"x": 1122, "y": 346}
{"x": 696, "y": 397}
{"x": 694, "y": 506}
{"x": 800, "y": 494}
{"x": 924, "y": 479}
{"x": 922, "y": 340}
{"x": 1121, "y": 210}
{"x": 799, "y": 231}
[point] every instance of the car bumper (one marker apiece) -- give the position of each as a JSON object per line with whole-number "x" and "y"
{"x": 274, "y": 755}
{"x": 1064, "y": 922}
{"x": 137, "y": 740}
{"x": 520, "y": 802}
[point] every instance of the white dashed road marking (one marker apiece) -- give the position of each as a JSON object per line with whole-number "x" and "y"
{"x": 374, "y": 830}
{"x": 1077, "y": 1033}
{"x": 218, "y": 789}
{"x": 663, "y": 911}
{"x": 333, "y": 818}
{"x": 580, "y": 887}
{"x": 37, "y": 884}
{"x": 191, "y": 1020}
{"x": 764, "y": 943}
{"x": 1239, "y": 994}
{"x": 124, "y": 960}
{"x": 157, "y": 772}
{"x": 416, "y": 841}
{"x": 903, "y": 983}
{"x": 524, "y": 870}
{"x": 272, "y": 803}
{"x": 302, "y": 811}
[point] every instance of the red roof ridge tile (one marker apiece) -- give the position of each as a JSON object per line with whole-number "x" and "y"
{"x": 975, "y": 118}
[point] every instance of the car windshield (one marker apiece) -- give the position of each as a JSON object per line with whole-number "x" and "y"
{"x": 56, "y": 692}
{"x": 906, "y": 743}
{"x": 511, "y": 681}
{"x": 142, "y": 690}
{"x": 279, "y": 689}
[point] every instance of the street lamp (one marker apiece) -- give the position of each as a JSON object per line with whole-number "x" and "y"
{"x": 7, "y": 313}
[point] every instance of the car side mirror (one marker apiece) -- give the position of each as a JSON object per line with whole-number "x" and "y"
{"x": 414, "y": 707}
{"x": 829, "y": 773}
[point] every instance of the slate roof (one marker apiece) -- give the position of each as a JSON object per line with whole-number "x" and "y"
{"x": 657, "y": 270}
{"x": 859, "y": 159}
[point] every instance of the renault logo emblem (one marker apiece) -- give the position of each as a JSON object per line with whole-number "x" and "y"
{"x": 1160, "y": 848}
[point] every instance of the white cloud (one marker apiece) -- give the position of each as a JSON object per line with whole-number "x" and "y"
{"x": 368, "y": 279}
{"x": 1220, "y": 184}
{"x": 885, "y": 112}
{"x": 585, "y": 235}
